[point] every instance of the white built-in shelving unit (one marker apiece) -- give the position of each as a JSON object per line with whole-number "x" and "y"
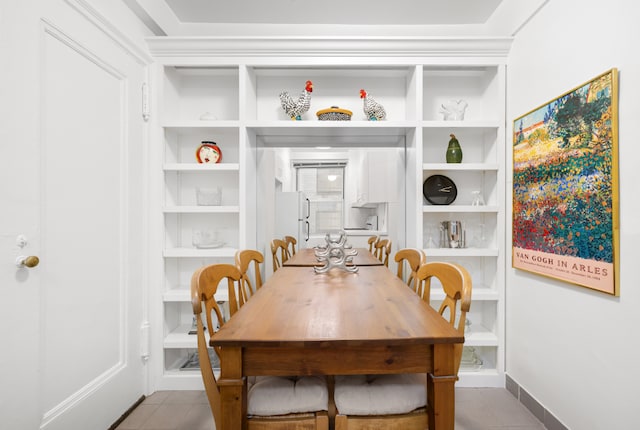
{"x": 238, "y": 83}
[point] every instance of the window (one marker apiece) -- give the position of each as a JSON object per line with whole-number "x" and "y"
{"x": 323, "y": 184}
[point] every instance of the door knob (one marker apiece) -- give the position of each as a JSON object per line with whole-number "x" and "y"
{"x": 30, "y": 261}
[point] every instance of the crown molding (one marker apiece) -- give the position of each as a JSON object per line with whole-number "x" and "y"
{"x": 112, "y": 31}
{"x": 336, "y": 46}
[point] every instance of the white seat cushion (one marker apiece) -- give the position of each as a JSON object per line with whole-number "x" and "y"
{"x": 380, "y": 394}
{"x": 277, "y": 395}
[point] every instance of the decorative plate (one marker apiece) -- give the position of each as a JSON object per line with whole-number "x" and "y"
{"x": 439, "y": 190}
{"x": 209, "y": 152}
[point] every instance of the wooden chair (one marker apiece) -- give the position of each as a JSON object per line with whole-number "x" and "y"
{"x": 456, "y": 283}
{"x": 279, "y": 246}
{"x": 291, "y": 244}
{"x": 383, "y": 250}
{"x": 413, "y": 258}
{"x": 249, "y": 283}
{"x": 297, "y": 391}
{"x": 405, "y": 395}
{"x": 372, "y": 243}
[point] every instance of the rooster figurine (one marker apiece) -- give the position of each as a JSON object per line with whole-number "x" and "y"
{"x": 372, "y": 109}
{"x": 295, "y": 109}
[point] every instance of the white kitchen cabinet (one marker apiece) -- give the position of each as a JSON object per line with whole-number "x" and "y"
{"x": 239, "y": 88}
{"x": 378, "y": 182}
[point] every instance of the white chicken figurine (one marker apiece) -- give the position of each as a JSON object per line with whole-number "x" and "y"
{"x": 295, "y": 109}
{"x": 372, "y": 109}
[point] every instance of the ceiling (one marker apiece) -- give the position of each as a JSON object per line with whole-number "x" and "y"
{"x": 356, "y": 18}
{"x": 346, "y": 12}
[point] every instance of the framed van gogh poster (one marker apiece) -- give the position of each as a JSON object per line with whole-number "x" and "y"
{"x": 565, "y": 187}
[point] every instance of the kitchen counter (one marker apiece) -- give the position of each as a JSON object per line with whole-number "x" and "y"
{"x": 356, "y": 238}
{"x": 364, "y": 232}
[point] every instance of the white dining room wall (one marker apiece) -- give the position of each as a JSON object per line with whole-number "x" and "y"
{"x": 573, "y": 350}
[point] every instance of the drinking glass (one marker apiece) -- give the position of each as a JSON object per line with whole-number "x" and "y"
{"x": 477, "y": 198}
{"x": 478, "y": 238}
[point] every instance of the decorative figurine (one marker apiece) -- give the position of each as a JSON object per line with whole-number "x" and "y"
{"x": 372, "y": 109}
{"x": 454, "y": 110}
{"x": 337, "y": 253}
{"x": 209, "y": 152}
{"x": 454, "y": 152}
{"x": 295, "y": 109}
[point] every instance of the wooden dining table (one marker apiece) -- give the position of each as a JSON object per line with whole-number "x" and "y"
{"x": 307, "y": 257}
{"x": 336, "y": 323}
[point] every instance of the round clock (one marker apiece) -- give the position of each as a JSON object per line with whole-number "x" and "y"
{"x": 208, "y": 152}
{"x": 439, "y": 190}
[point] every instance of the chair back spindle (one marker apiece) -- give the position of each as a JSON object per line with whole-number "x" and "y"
{"x": 413, "y": 258}
{"x": 279, "y": 252}
{"x": 383, "y": 250}
{"x": 251, "y": 279}
{"x": 372, "y": 243}
{"x": 291, "y": 244}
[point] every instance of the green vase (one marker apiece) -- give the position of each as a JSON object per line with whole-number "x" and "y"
{"x": 454, "y": 152}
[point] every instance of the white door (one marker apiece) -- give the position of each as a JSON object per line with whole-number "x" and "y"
{"x": 71, "y": 187}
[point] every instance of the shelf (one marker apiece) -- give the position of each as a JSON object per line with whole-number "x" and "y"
{"x": 458, "y": 209}
{"x": 191, "y": 126}
{"x": 181, "y": 374}
{"x": 200, "y": 209}
{"x": 184, "y": 295}
{"x": 466, "y": 373}
{"x": 461, "y": 252}
{"x": 460, "y": 166}
{"x": 367, "y": 128}
{"x": 477, "y": 125}
{"x": 478, "y": 294}
{"x": 173, "y": 370}
{"x": 368, "y": 133}
{"x": 489, "y": 377}
{"x": 195, "y": 167}
{"x": 195, "y": 253}
{"x": 179, "y": 338}
{"x": 480, "y": 336}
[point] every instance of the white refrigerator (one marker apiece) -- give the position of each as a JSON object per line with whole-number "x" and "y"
{"x": 292, "y": 216}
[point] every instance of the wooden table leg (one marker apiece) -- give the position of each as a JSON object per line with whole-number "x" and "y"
{"x": 441, "y": 389}
{"x": 233, "y": 390}
{"x": 441, "y": 398}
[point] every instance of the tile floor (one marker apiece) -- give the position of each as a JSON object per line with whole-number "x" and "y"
{"x": 476, "y": 409}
